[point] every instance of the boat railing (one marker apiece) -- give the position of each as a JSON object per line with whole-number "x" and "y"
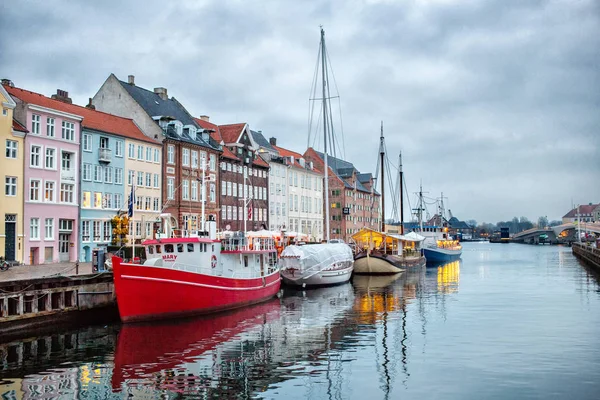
{"x": 180, "y": 266}
{"x": 184, "y": 233}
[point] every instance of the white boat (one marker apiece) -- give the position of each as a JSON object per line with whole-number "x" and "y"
{"x": 328, "y": 263}
{"x": 316, "y": 264}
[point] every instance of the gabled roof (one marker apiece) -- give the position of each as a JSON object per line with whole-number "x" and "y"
{"x": 19, "y": 127}
{"x": 231, "y": 132}
{"x": 260, "y": 162}
{"x": 289, "y": 153}
{"x": 261, "y": 141}
{"x": 344, "y": 169}
{"x": 215, "y": 134}
{"x": 364, "y": 178}
{"x": 582, "y": 209}
{"x": 92, "y": 119}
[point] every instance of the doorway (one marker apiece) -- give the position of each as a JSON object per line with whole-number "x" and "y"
{"x": 64, "y": 247}
{"x": 10, "y": 231}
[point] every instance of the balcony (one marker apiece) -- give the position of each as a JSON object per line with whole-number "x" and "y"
{"x": 105, "y": 155}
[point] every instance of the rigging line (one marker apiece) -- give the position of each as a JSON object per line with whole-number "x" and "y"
{"x": 339, "y": 104}
{"x": 313, "y": 91}
{"x": 406, "y": 191}
{"x": 394, "y": 199}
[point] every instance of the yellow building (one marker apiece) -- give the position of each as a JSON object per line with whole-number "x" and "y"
{"x": 12, "y": 135}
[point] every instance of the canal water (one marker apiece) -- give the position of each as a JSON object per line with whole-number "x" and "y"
{"x": 507, "y": 321}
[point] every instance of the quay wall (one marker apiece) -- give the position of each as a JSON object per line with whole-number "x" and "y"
{"x": 34, "y": 303}
{"x": 588, "y": 254}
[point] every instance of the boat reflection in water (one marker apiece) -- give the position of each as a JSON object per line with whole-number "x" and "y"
{"x": 185, "y": 355}
{"x": 382, "y": 301}
{"x": 448, "y": 275}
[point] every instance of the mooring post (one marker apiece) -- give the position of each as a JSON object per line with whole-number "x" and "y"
{"x": 77, "y": 267}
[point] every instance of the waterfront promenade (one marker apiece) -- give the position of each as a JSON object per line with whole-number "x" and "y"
{"x": 26, "y": 272}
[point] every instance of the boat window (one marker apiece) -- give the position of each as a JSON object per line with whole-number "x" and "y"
{"x": 213, "y": 248}
{"x": 169, "y": 248}
{"x": 158, "y": 249}
{"x": 180, "y": 247}
{"x": 150, "y": 250}
{"x": 205, "y": 247}
{"x": 190, "y": 247}
{"x": 245, "y": 261}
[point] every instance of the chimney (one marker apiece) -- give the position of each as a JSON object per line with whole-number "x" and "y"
{"x": 205, "y": 118}
{"x": 90, "y": 105}
{"x": 62, "y": 95}
{"x": 273, "y": 141}
{"x": 8, "y": 82}
{"x": 131, "y": 80}
{"x": 161, "y": 92}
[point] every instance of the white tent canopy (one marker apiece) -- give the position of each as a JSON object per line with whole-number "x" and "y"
{"x": 410, "y": 237}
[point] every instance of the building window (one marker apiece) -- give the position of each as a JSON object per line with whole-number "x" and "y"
{"x": 97, "y": 228}
{"x": 157, "y": 156}
{"x": 34, "y": 190}
{"x": 119, "y": 176}
{"x": 139, "y": 200}
{"x": 36, "y": 152}
{"x": 195, "y": 190}
{"x": 156, "y": 204}
{"x": 107, "y": 231}
{"x": 171, "y": 154}
{"x": 11, "y": 148}
{"x": 49, "y": 229}
{"x": 86, "y": 142}
{"x": 97, "y": 200}
{"x": 86, "y": 172}
{"x": 130, "y": 177}
{"x": 185, "y": 158}
{"x": 156, "y": 181}
{"x": 68, "y": 131}
{"x": 66, "y": 193}
{"x": 50, "y": 158}
{"x": 85, "y": 231}
{"x": 34, "y": 229}
{"x": 148, "y": 203}
{"x": 140, "y": 153}
{"x": 213, "y": 162}
{"x": 131, "y": 150}
{"x": 10, "y": 186}
{"x": 119, "y": 148}
{"x": 148, "y": 179}
{"x": 213, "y": 193}
{"x": 49, "y": 192}
{"x": 86, "y": 201}
{"x": 67, "y": 159}
{"x": 185, "y": 195}
{"x": 223, "y": 213}
{"x": 140, "y": 178}
{"x": 118, "y": 200}
{"x": 65, "y": 225}
{"x": 170, "y": 188}
{"x": 194, "y": 159}
{"x": 35, "y": 124}
{"x": 97, "y": 173}
{"x": 148, "y": 154}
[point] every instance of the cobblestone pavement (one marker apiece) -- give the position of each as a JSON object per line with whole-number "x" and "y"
{"x": 22, "y": 272}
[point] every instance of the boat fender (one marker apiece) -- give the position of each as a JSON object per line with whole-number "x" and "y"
{"x": 213, "y": 261}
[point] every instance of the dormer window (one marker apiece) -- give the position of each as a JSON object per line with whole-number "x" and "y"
{"x": 179, "y": 128}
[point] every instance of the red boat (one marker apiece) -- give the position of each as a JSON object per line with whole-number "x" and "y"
{"x": 187, "y": 273}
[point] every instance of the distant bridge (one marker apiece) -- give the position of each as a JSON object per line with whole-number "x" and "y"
{"x": 555, "y": 234}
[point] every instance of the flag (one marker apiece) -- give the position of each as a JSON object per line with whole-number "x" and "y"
{"x": 250, "y": 212}
{"x": 131, "y": 203}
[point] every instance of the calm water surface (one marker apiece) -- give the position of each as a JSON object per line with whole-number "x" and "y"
{"x": 508, "y": 321}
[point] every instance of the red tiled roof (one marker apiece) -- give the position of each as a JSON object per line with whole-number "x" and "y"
{"x": 288, "y": 153}
{"x": 230, "y": 133}
{"x": 216, "y": 134}
{"x": 91, "y": 118}
{"x": 582, "y": 209}
{"x": 229, "y": 154}
{"x": 260, "y": 162}
{"x": 17, "y": 126}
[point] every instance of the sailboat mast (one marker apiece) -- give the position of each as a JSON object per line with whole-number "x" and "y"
{"x": 421, "y": 207}
{"x": 401, "y": 196}
{"x": 326, "y": 175}
{"x": 382, "y": 155}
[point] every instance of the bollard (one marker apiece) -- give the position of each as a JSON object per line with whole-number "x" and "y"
{"x": 77, "y": 267}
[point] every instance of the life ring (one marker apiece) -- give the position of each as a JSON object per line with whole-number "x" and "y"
{"x": 213, "y": 261}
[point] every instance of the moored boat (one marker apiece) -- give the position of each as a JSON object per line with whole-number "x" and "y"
{"x": 316, "y": 264}
{"x": 188, "y": 273}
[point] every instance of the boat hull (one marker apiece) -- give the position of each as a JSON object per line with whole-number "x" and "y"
{"x": 379, "y": 265}
{"x": 146, "y": 292}
{"x": 436, "y": 255}
{"x": 322, "y": 278}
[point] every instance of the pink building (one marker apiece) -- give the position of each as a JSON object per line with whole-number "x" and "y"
{"x": 51, "y": 213}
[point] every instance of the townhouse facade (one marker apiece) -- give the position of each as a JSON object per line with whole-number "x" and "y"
{"x": 244, "y": 180}
{"x": 353, "y": 201}
{"x": 12, "y": 134}
{"x": 51, "y": 175}
{"x": 189, "y": 156}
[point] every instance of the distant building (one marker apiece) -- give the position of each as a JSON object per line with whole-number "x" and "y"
{"x": 585, "y": 213}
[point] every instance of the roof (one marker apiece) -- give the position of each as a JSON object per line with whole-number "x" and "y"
{"x": 261, "y": 141}
{"x": 215, "y": 134}
{"x": 260, "y": 162}
{"x": 364, "y": 178}
{"x": 582, "y": 209}
{"x": 92, "y": 119}
{"x": 289, "y": 153}
{"x": 230, "y": 133}
{"x": 17, "y": 126}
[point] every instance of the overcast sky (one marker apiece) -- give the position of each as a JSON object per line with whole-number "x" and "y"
{"x": 494, "y": 103}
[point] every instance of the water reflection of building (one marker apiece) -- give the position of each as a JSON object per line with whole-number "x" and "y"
{"x": 448, "y": 277}
{"x": 25, "y": 363}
